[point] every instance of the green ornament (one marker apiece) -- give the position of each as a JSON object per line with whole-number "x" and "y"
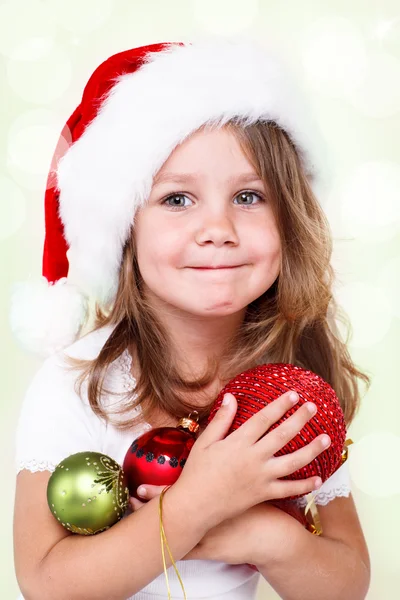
{"x": 88, "y": 493}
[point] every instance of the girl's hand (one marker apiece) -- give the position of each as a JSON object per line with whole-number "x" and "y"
{"x": 240, "y": 470}
{"x": 257, "y": 536}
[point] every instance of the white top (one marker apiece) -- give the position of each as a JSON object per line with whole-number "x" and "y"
{"x": 55, "y": 423}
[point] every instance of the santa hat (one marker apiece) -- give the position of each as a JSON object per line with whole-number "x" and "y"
{"x": 137, "y": 106}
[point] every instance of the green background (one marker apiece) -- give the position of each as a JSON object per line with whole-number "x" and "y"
{"x": 348, "y": 57}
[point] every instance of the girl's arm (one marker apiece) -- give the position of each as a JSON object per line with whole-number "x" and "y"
{"x": 114, "y": 564}
{"x": 318, "y": 567}
{"x": 296, "y": 563}
{"x": 331, "y": 566}
{"x": 250, "y": 537}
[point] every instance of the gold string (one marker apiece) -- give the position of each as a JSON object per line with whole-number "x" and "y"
{"x": 314, "y": 527}
{"x": 164, "y": 539}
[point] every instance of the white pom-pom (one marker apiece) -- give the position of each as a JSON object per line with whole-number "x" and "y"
{"x": 46, "y": 318}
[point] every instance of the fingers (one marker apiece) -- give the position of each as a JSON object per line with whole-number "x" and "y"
{"x": 147, "y": 492}
{"x": 219, "y": 426}
{"x": 283, "y": 489}
{"x": 286, "y": 431}
{"x": 281, "y": 466}
{"x": 272, "y": 441}
{"x": 255, "y": 427}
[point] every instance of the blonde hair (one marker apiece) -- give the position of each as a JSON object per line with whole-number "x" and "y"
{"x": 294, "y": 321}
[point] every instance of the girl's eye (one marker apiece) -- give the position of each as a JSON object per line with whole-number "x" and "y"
{"x": 174, "y": 197}
{"x": 243, "y": 196}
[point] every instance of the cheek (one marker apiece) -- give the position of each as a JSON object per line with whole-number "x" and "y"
{"x": 157, "y": 244}
{"x": 265, "y": 245}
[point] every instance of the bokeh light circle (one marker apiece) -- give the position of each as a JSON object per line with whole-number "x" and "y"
{"x": 386, "y": 30}
{"x": 374, "y": 464}
{"x": 378, "y": 95}
{"x": 13, "y": 208}
{"x": 32, "y": 139}
{"x": 41, "y": 81}
{"x": 369, "y": 312}
{"x": 333, "y": 56}
{"x": 225, "y": 17}
{"x": 26, "y": 29}
{"x": 389, "y": 281}
{"x": 79, "y": 16}
{"x": 370, "y": 201}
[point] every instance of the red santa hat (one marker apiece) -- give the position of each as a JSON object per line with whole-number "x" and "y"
{"x": 138, "y": 106}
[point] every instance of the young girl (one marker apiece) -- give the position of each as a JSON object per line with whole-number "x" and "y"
{"x": 187, "y": 203}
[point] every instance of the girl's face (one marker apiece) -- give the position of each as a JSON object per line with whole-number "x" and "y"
{"x": 207, "y": 208}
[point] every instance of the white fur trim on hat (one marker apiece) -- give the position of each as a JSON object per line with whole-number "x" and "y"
{"x": 45, "y": 317}
{"x": 107, "y": 173}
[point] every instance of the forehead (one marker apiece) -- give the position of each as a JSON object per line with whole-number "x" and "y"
{"x": 206, "y": 153}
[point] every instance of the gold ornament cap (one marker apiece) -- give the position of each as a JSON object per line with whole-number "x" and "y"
{"x": 345, "y": 453}
{"x": 190, "y": 423}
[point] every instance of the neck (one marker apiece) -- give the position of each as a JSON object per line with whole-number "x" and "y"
{"x": 196, "y": 338}
{"x": 194, "y": 341}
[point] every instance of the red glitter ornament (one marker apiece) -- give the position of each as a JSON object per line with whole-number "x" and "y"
{"x": 257, "y": 387}
{"x": 158, "y": 456}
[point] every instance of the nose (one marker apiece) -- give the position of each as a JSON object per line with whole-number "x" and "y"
{"x": 216, "y": 227}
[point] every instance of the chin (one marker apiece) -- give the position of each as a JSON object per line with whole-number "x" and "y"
{"x": 217, "y": 309}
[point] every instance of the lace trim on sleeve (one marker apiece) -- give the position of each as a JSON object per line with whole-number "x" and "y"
{"x": 325, "y": 497}
{"x": 339, "y": 484}
{"x": 34, "y": 466}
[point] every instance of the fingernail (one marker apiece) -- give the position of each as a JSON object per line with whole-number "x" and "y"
{"x": 325, "y": 441}
{"x": 226, "y": 399}
{"x": 142, "y": 491}
{"x": 293, "y": 397}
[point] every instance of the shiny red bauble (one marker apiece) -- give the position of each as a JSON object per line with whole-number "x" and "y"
{"x": 158, "y": 456}
{"x": 257, "y": 387}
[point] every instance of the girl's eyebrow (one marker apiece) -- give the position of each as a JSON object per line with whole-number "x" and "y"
{"x": 192, "y": 177}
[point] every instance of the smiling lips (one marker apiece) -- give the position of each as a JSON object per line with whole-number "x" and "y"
{"x": 218, "y": 267}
